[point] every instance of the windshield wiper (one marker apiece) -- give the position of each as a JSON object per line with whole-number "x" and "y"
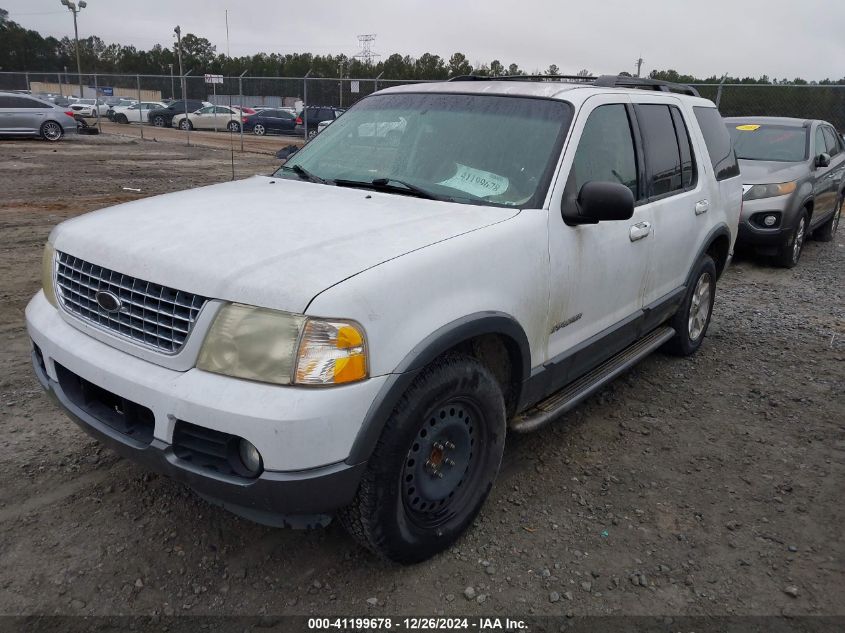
{"x": 385, "y": 184}
{"x": 303, "y": 173}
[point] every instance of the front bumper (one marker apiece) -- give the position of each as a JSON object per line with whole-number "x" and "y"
{"x": 304, "y": 435}
{"x": 752, "y": 233}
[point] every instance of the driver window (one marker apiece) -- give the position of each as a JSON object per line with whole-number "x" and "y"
{"x": 207, "y": 110}
{"x": 821, "y": 147}
{"x": 605, "y": 152}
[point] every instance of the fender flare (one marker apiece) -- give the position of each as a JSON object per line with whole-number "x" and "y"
{"x": 717, "y": 231}
{"x": 434, "y": 345}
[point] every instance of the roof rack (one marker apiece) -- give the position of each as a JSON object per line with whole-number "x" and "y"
{"x": 604, "y": 81}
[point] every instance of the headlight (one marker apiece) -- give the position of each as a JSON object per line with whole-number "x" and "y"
{"x": 282, "y": 348}
{"x": 331, "y": 352}
{"x": 48, "y": 263}
{"x": 757, "y": 192}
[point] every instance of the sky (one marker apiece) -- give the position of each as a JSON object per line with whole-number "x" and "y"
{"x": 778, "y": 38}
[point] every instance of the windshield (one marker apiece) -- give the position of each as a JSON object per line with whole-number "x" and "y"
{"x": 769, "y": 142}
{"x": 479, "y": 149}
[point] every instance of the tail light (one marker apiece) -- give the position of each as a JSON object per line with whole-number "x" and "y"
{"x": 69, "y": 112}
{"x": 299, "y": 120}
{"x": 243, "y": 119}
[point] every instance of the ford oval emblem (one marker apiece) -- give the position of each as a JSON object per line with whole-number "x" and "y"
{"x": 108, "y": 301}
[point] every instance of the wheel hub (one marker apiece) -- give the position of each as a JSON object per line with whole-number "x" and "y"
{"x": 439, "y": 459}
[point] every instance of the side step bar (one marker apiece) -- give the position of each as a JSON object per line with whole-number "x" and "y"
{"x": 570, "y": 396}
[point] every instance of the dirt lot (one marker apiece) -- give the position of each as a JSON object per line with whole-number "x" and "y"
{"x": 702, "y": 486}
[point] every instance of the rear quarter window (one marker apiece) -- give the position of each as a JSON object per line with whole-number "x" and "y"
{"x": 718, "y": 142}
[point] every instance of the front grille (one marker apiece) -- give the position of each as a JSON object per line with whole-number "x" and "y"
{"x": 150, "y": 314}
{"x": 124, "y": 416}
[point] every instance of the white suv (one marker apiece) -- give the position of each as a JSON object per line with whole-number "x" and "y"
{"x": 357, "y": 333}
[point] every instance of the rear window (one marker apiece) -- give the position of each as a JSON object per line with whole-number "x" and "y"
{"x": 718, "y": 141}
{"x": 667, "y": 149}
{"x": 764, "y": 142}
{"x": 21, "y": 103}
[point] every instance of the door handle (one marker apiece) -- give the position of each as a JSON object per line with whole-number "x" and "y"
{"x": 640, "y": 230}
{"x": 702, "y": 206}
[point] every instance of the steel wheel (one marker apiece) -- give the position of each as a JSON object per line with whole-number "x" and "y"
{"x": 798, "y": 242}
{"x": 440, "y": 463}
{"x": 699, "y": 307}
{"x": 51, "y": 131}
{"x": 259, "y": 130}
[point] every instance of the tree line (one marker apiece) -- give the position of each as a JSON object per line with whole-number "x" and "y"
{"x": 23, "y": 49}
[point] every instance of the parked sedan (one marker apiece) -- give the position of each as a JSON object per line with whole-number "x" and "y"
{"x": 210, "y": 118}
{"x": 793, "y": 174}
{"x": 163, "y": 117}
{"x": 22, "y": 115}
{"x": 135, "y": 113}
{"x": 270, "y": 121}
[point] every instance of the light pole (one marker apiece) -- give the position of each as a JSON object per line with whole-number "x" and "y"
{"x": 178, "y": 32}
{"x": 172, "y": 85}
{"x": 75, "y": 8}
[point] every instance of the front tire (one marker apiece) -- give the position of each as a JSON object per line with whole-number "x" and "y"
{"x": 693, "y": 317}
{"x": 434, "y": 464}
{"x": 259, "y": 130}
{"x": 51, "y": 131}
{"x": 159, "y": 121}
{"x": 121, "y": 118}
{"x": 790, "y": 252}
{"x": 827, "y": 231}
{"x": 184, "y": 124}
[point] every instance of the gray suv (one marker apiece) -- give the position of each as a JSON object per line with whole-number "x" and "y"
{"x": 793, "y": 174}
{"x": 23, "y": 115}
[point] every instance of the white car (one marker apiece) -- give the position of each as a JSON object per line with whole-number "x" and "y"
{"x": 358, "y": 333}
{"x": 135, "y": 113}
{"x": 210, "y": 117}
{"x": 322, "y": 125}
{"x": 89, "y": 107}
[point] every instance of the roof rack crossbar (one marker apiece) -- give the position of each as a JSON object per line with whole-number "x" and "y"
{"x": 604, "y": 81}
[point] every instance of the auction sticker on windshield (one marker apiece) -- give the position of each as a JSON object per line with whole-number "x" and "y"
{"x": 477, "y": 182}
{"x": 748, "y": 128}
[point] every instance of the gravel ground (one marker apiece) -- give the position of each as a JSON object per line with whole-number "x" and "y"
{"x": 704, "y": 486}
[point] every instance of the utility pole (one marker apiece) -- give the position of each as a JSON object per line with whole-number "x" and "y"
{"x": 341, "y": 83}
{"x": 172, "y": 85}
{"x": 178, "y": 32}
{"x": 639, "y": 64}
{"x": 75, "y": 9}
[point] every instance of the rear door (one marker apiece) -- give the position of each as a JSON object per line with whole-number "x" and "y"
{"x": 678, "y": 197}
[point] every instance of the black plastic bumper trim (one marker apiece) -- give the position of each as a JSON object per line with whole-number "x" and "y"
{"x": 275, "y": 498}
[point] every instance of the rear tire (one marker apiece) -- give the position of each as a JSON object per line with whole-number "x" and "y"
{"x": 233, "y": 126}
{"x": 790, "y": 252}
{"x": 693, "y": 317}
{"x": 51, "y": 131}
{"x": 434, "y": 464}
{"x": 827, "y": 231}
{"x": 259, "y": 130}
{"x": 121, "y": 118}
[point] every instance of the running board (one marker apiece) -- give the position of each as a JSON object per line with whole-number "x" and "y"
{"x": 570, "y": 396}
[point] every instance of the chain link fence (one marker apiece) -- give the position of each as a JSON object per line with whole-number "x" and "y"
{"x": 825, "y": 102}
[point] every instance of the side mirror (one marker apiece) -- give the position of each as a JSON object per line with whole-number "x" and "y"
{"x": 823, "y": 160}
{"x": 287, "y": 152}
{"x": 599, "y": 202}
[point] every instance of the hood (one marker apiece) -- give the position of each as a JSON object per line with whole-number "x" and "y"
{"x": 762, "y": 172}
{"x": 264, "y": 241}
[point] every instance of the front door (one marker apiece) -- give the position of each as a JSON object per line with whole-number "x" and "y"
{"x": 597, "y": 271}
